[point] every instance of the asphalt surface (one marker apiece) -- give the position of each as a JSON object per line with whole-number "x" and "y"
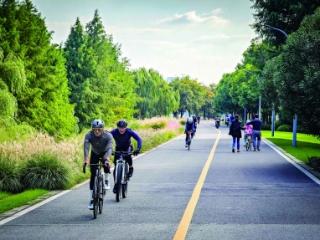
{"x": 247, "y": 195}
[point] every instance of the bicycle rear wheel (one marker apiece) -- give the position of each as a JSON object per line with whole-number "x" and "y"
{"x": 118, "y": 184}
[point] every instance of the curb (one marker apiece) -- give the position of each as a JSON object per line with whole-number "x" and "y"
{"x": 312, "y": 174}
{"x": 19, "y": 211}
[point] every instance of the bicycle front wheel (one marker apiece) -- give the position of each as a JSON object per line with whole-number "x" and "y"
{"x": 95, "y": 197}
{"x": 118, "y": 184}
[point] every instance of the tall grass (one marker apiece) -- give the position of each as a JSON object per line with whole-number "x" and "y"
{"x": 9, "y": 176}
{"x": 45, "y": 171}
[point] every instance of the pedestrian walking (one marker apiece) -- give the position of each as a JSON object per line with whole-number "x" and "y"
{"x": 235, "y": 132}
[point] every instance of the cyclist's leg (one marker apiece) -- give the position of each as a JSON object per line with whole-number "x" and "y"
{"x": 94, "y": 159}
{"x": 129, "y": 161}
{"x": 105, "y": 175}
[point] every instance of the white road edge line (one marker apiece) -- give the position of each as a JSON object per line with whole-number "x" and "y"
{"x": 275, "y": 148}
{"x": 31, "y": 208}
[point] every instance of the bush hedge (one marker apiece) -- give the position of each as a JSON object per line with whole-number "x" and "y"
{"x": 45, "y": 171}
{"x": 284, "y": 128}
{"x": 9, "y": 176}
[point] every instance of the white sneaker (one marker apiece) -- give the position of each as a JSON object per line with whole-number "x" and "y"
{"x": 90, "y": 206}
{"x": 106, "y": 185}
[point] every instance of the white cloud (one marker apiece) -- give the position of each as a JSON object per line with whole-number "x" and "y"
{"x": 192, "y": 17}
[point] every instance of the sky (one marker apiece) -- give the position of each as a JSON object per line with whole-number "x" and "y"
{"x": 200, "y": 38}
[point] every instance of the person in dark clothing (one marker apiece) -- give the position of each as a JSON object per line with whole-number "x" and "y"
{"x": 256, "y": 124}
{"x": 101, "y": 149}
{"x": 122, "y": 136}
{"x": 189, "y": 128}
{"x": 235, "y": 132}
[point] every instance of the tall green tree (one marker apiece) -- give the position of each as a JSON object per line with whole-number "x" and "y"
{"x": 42, "y": 95}
{"x": 297, "y": 74}
{"x": 192, "y": 94}
{"x": 284, "y": 14}
{"x": 155, "y": 96}
{"x": 101, "y": 83}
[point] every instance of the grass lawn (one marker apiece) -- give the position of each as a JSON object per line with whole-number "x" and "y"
{"x": 9, "y": 201}
{"x": 307, "y": 145}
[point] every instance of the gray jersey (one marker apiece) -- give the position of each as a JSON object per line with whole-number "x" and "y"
{"x": 99, "y": 145}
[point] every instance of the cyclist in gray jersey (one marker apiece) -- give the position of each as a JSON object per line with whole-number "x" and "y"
{"x": 101, "y": 148}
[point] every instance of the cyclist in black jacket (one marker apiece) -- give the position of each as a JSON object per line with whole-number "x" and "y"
{"x": 122, "y": 136}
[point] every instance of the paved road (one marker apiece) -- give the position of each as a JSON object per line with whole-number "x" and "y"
{"x": 245, "y": 196}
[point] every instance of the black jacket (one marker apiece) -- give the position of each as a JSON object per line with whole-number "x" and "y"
{"x": 235, "y": 129}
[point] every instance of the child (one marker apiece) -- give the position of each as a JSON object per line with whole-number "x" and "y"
{"x": 248, "y": 131}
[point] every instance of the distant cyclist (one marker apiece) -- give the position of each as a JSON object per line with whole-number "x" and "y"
{"x": 256, "y": 124}
{"x": 122, "y": 136}
{"x": 101, "y": 148}
{"x": 189, "y": 129}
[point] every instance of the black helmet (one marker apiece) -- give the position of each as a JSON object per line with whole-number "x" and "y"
{"x": 122, "y": 124}
{"x": 97, "y": 123}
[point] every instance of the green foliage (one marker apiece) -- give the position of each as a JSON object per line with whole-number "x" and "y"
{"x": 11, "y": 131}
{"x": 155, "y": 96}
{"x": 8, "y": 106}
{"x": 297, "y": 74}
{"x": 283, "y": 14}
{"x": 284, "y": 128}
{"x": 194, "y": 97}
{"x": 33, "y": 71}
{"x": 46, "y": 171}
{"x": 182, "y": 122}
{"x": 9, "y": 176}
{"x": 100, "y": 82}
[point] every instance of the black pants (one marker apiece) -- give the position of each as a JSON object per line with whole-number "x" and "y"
{"x": 191, "y": 135}
{"x": 94, "y": 159}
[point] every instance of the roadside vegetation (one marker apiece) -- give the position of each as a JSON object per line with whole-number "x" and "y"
{"x": 307, "y": 150}
{"x": 41, "y": 162}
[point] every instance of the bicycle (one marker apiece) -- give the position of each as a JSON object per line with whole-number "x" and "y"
{"x": 121, "y": 177}
{"x": 248, "y": 142}
{"x": 97, "y": 192}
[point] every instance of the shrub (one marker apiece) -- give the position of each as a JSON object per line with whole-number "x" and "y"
{"x": 182, "y": 122}
{"x": 46, "y": 171}
{"x": 158, "y": 125}
{"x": 9, "y": 176}
{"x": 314, "y": 162}
{"x": 284, "y": 128}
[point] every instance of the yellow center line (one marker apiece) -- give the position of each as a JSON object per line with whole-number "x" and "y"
{"x": 188, "y": 213}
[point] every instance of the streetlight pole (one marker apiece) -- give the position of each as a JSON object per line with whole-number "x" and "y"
{"x": 295, "y": 119}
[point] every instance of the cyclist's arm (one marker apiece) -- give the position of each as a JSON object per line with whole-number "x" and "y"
{"x": 108, "y": 148}
{"x": 137, "y": 138}
{"x": 86, "y": 147}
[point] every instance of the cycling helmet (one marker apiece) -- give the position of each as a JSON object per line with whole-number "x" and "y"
{"x": 97, "y": 123}
{"x": 122, "y": 124}
{"x": 190, "y": 120}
